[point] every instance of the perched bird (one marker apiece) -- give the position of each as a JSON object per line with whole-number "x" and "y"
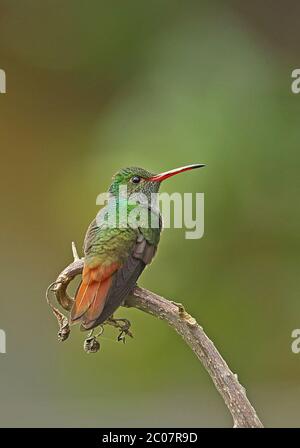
{"x": 116, "y": 255}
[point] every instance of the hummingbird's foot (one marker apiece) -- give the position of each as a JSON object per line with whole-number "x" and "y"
{"x": 91, "y": 343}
{"x": 123, "y": 325}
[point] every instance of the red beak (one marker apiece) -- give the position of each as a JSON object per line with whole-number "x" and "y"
{"x": 166, "y": 174}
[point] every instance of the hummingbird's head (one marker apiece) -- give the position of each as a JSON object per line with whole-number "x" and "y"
{"x": 138, "y": 180}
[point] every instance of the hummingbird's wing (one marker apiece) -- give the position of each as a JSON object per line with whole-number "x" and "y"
{"x": 125, "y": 278}
{"x": 114, "y": 260}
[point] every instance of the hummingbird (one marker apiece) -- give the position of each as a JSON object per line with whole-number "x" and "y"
{"x": 115, "y": 255}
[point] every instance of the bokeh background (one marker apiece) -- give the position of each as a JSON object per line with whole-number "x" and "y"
{"x": 95, "y": 86}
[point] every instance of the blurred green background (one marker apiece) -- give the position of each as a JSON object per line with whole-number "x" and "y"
{"x": 95, "y": 86}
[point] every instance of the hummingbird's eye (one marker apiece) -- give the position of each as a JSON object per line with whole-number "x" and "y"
{"x": 135, "y": 179}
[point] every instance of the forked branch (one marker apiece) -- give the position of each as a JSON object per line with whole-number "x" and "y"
{"x": 225, "y": 381}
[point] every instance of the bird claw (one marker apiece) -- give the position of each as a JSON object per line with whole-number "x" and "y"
{"x": 122, "y": 335}
{"x": 91, "y": 344}
{"x": 123, "y": 325}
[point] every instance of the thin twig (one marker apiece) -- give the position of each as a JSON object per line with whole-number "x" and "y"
{"x": 225, "y": 381}
{"x": 74, "y": 251}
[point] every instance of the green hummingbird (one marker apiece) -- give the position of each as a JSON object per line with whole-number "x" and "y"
{"x": 115, "y": 255}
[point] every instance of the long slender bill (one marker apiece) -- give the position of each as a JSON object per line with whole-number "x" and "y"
{"x": 162, "y": 176}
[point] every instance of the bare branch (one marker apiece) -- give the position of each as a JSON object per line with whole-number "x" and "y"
{"x": 74, "y": 251}
{"x": 225, "y": 381}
